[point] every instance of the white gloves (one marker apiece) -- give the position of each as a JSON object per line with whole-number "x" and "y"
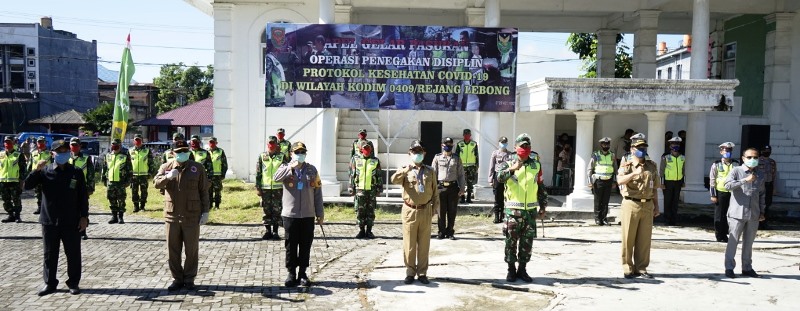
{"x": 173, "y": 174}
{"x": 203, "y": 218}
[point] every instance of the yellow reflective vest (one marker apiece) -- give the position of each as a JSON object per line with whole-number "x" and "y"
{"x": 722, "y": 174}
{"x": 269, "y": 165}
{"x": 9, "y": 166}
{"x": 115, "y": 163}
{"x": 366, "y": 170}
{"x": 216, "y": 162}
{"x": 467, "y": 152}
{"x": 674, "y": 167}
{"x": 522, "y": 190}
{"x": 139, "y": 161}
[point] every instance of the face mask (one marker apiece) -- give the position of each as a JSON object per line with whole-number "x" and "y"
{"x": 467, "y": 137}
{"x": 137, "y": 143}
{"x": 447, "y": 148}
{"x": 362, "y": 136}
{"x": 182, "y": 157}
{"x": 272, "y": 147}
{"x": 605, "y": 148}
{"x": 212, "y": 145}
{"x": 416, "y": 158}
{"x": 726, "y": 155}
{"x": 195, "y": 144}
{"x": 523, "y": 153}
{"x": 766, "y": 153}
{"x": 503, "y": 146}
{"x": 9, "y": 146}
{"x": 640, "y": 153}
{"x": 300, "y": 158}
{"x": 366, "y": 152}
{"x": 40, "y": 146}
{"x": 114, "y": 147}
{"x": 751, "y": 162}
{"x": 75, "y": 149}
{"x": 281, "y": 136}
{"x": 675, "y": 148}
{"x": 61, "y": 158}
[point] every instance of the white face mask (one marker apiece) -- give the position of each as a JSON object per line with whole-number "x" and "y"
{"x": 417, "y": 158}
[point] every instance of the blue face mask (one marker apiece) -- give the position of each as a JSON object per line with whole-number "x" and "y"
{"x": 675, "y": 148}
{"x": 416, "y": 158}
{"x": 447, "y": 148}
{"x": 61, "y": 158}
{"x": 640, "y": 153}
{"x": 182, "y": 157}
{"x": 503, "y": 146}
{"x": 726, "y": 155}
{"x": 300, "y": 158}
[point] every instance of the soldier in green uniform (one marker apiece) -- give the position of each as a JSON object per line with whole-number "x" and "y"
{"x": 270, "y": 191}
{"x": 41, "y": 153}
{"x": 143, "y": 167}
{"x": 362, "y": 137}
{"x": 85, "y": 164}
{"x": 285, "y": 145}
{"x": 467, "y": 150}
{"x": 12, "y": 168}
{"x": 525, "y": 199}
{"x": 366, "y": 184}
{"x": 117, "y": 176}
{"x": 219, "y": 167}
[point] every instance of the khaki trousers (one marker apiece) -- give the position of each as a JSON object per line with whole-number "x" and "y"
{"x": 637, "y": 231}
{"x": 416, "y": 239}
{"x": 182, "y": 235}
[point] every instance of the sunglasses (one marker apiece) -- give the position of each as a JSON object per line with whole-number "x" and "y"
{"x": 751, "y": 157}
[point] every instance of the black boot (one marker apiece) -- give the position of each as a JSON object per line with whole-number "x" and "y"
{"x": 121, "y": 221}
{"x": 267, "y": 235}
{"x": 135, "y": 207}
{"x": 17, "y": 217}
{"x": 275, "y": 232}
{"x": 463, "y": 200}
{"x": 303, "y": 278}
{"x": 10, "y": 218}
{"x": 469, "y": 196}
{"x": 497, "y": 218}
{"x": 291, "y": 279}
{"x": 361, "y": 233}
{"x": 369, "y": 234}
{"x": 511, "y": 276}
{"x": 114, "y": 218}
{"x": 141, "y": 206}
{"x": 84, "y": 236}
{"x": 522, "y": 274}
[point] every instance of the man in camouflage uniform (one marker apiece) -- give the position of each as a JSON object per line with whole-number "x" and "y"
{"x": 12, "y": 169}
{"x": 117, "y": 176}
{"x": 85, "y": 164}
{"x": 467, "y": 150}
{"x": 285, "y": 145}
{"x": 525, "y": 194}
{"x": 366, "y": 184}
{"x": 219, "y": 167}
{"x": 41, "y": 153}
{"x": 143, "y": 167}
{"x": 270, "y": 191}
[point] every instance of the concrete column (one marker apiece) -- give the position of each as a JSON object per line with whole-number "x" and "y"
{"x": 581, "y": 197}
{"x": 701, "y": 18}
{"x": 224, "y": 89}
{"x": 656, "y": 127}
{"x": 326, "y": 125}
{"x": 492, "y": 13}
{"x": 343, "y": 14}
{"x": 489, "y": 121}
{"x": 777, "y": 66}
{"x": 326, "y": 11}
{"x": 644, "y": 44}
{"x": 606, "y": 52}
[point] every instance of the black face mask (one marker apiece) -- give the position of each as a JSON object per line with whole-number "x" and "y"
{"x": 605, "y": 148}
{"x": 766, "y": 153}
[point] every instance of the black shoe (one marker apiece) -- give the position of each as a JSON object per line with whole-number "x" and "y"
{"x": 409, "y": 279}
{"x": 37, "y": 211}
{"x": 304, "y": 281}
{"x": 369, "y": 235}
{"x": 47, "y": 290}
{"x": 189, "y": 285}
{"x": 17, "y": 217}
{"x": 463, "y": 200}
{"x": 751, "y": 273}
{"x": 469, "y": 200}
{"x": 630, "y": 276}
{"x": 275, "y": 235}
{"x": 10, "y": 218}
{"x": 121, "y": 221}
{"x": 176, "y": 285}
{"x": 361, "y": 234}
{"x": 598, "y": 222}
{"x": 114, "y": 218}
{"x": 267, "y": 235}
{"x": 440, "y": 236}
{"x": 84, "y": 236}
{"x": 645, "y": 275}
{"x": 74, "y": 290}
{"x": 291, "y": 280}
{"x": 424, "y": 279}
{"x": 729, "y": 273}
{"x": 452, "y": 237}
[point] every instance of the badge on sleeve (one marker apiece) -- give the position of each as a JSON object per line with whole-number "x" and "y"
{"x": 194, "y": 169}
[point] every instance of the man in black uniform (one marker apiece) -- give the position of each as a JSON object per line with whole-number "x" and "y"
{"x": 65, "y": 213}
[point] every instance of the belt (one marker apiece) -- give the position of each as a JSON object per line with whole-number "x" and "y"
{"x": 416, "y": 206}
{"x": 447, "y": 183}
{"x": 639, "y": 200}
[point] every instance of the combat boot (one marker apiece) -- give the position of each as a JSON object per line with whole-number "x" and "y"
{"x": 17, "y": 217}
{"x": 10, "y": 218}
{"x": 469, "y": 196}
{"x": 121, "y": 221}
{"x": 497, "y": 218}
{"x": 114, "y": 218}
{"x": 267, "y": 235}
{"x": 361, "y": 233}
{"x": 522, "y": 274}
{"x": 463, "y": 200}
{"x": 291, "y": 279}
{"x": 135, "y": 207}
{"x": 275, "y": 232}
{"x": 369, "y": 234}
{"x": 512, "y": 273}
{"x": 141, "y": 206}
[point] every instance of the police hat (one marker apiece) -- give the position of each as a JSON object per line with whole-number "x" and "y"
{"x": 447, "y": 140}
{"x": 180, "y": 146}
{"x": 675, "y": 139}
{"x": 727, "y": 145}
{"x": 503, "y": 139}
{"x": 59, "y": 144}
{"x": 299, "y": 146}
{"x": 638, "y": 140}
{"x": 416, "y": 146}
{"x": 75, "y": 140}
{"x": 605, "y": 140}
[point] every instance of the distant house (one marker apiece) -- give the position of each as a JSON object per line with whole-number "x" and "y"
{"x": 65, "y": 122}
{"x": 193, "y": 119}
{"x": 142, "y": 96}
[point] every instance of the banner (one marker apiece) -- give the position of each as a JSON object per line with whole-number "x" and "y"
{"x": 119, "y": 123}
{"x": 390, "y": 67}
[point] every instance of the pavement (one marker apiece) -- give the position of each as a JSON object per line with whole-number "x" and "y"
{"x": 575, "y": 266}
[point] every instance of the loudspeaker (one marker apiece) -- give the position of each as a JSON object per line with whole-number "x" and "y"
{"x": 754, "y": 136}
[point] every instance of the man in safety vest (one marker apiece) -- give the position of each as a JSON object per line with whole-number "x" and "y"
{"x": 143, "y": 167}
{"x": 117, "y": 177}
{"x": 219, "y": 167}
{"x": 366, "y": 183}
{"x": 719, "y": 195}
{"x": 601, "y": 174}
{"x": 200, "y": 155}
{"x": 12, "y": 169}
{"x": 41, "y": 153}
{"x": 285, "y": 145}
{"x": 85, "y": 164}
{"x": 673, "y": 169}
{"x": 467, "y": 150}
{"x": 270, "y": 191}
{"x": 525, "y": 200}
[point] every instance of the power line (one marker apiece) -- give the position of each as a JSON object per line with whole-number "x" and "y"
{"x": 110, "y": 43}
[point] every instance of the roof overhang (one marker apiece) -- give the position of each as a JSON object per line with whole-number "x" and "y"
{"x": 626, "y": 95}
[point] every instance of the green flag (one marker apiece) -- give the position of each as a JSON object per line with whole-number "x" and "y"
{"x": 122, "y": 103}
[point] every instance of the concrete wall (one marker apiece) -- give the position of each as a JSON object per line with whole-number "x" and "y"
{"x": 749, "y": 33}
{"x": 68, "y": 72}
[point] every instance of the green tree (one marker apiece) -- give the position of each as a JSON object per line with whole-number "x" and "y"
{"x": 585, "y": 45}
{"x": 180, "y": 85}
{"x": 100, "y": 117}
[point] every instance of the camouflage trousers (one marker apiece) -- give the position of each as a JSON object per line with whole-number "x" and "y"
{"x": 365, "y": 203}
{"x": 38, "y": 192}
{"x": 11, "y": 193}
{"x": 116, "y": 195}
{"x": 271, "y": 203}
{"x": 139, "y": 184}
{"x": 215, "y": 191}
{"x": 519, "y": 229}
{"x": 471, "y": 175}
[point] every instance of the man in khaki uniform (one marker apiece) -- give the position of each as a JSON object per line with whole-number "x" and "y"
{"x": 638, "y": 179}
{"x": 421, "y": 203}
{"x": 186, "y": 208}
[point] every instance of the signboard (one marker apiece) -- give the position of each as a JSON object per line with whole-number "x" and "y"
{"x": 390, "y": 67}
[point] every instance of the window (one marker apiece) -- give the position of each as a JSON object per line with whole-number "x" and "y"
{"x": 32, "y": 86}
{"x": 31, "y": 74}
{"x": 16, "y": 51}
{"x": 31, "y": 63}
{"x": 658, "y": 75}
{"x": 678, "y": 70}
{"x": 729, "y": 61}
{"x": 669, "y": 73}
{"x": 31, "y": 51}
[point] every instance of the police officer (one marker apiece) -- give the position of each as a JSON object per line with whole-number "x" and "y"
{"x": 638, "y": 180}
{"x": 200, "y": 155}
{"x": 719, "y": 195}
{"x": 270, "y": 190}
{"x": 601, "y": 175}
{"x": 285, "y": 145}
{"x": 366, "y": 183}
{"x": 143, "y": 167}
{"x": 525, "y": 200}
{"x": 450, "y": 173}
{"x": 499, "y": 156}
{"x": 770, "y": 169}
{"x": 673, "y": 169}
{"x": 467, "y": 150}
{"x": 219, "y": 167}
{"x": 117, "y": 177}
{"x": 12, "y": 169}
{"x": 84, "y": 163}
{"x": 41, "y": 153}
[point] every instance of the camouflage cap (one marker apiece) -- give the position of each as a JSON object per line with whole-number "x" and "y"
{"x": 177, "y": 136}
{"x": 362, "y": 131}
{"x": 281, "y": 130}
{"x": 41, "y": 138}
{"x": 467, "y": 132}
{"x": 522, "y": 139}
{"x": 212, "y": 138}
{"x": 195, "y": 137}
{"x": 272, "y": 139}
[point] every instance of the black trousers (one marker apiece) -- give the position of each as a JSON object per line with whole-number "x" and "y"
{"x": 448, "y": 208}
{"x": 52, "y": 236}
{"x": 769, "y": 187}
{"x": 499, "y": 197}
{"x": 720, "y": 215}
{"x": 299, "y": 235}
{"x": 672, "y": 196}
{"x": 602, "y": 194}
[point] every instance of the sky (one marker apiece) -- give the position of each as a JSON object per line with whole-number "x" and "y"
{"x": 172, "y": 31}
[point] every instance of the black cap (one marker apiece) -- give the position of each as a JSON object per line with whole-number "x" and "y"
{"x": 467, "y": 131}
{"x": 116, "y": 141}
{"x": 767, "y": 147}
{"x": 75, "y": 140}
{"x": 503, "y": 139}
{"x": 180, "y": 146}
{"x": 416, "y": 146}
{"x": 9, "y": 137}
{"x": 447, "y": 140}
{"x": 59, "y": 144}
